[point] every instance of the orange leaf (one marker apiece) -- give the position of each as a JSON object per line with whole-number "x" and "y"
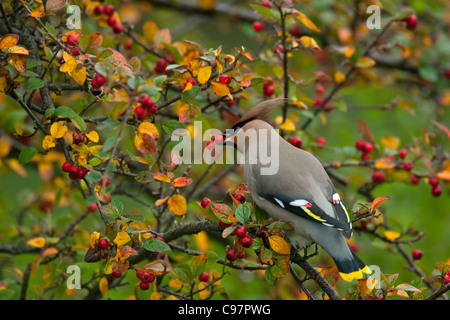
{"x": 49, "y": 251}
{"x": 305, "y": 20}
{"x": 384, "y": 163}
{"x": 222, "y": 211}
{"x": 220, "y": 89}
{"x": 38, "y": 242}
{"x": 186, "y": 113}
{"x": 445, "y": 173}
{"x": 181, "y": 182}
{"x": 149, "y": 29}
{"x": 161, "y": 177}
{"x": 378, "y": 202}
{"x": 161, "y": 201}
{"x": 145, "y": 143}
{"x": 279, "y": 245}
{"x": 103, "y": 286}
{"x": 177, "y": 204}
{"x": 442, "y": 128}
{"x": 94, "y": 42}
{"x": 242, "y": 188}
{"x": 150, "y": 129}
{"x": 8, "y": 41}
{"x": 248, "y": 55}
{"x": 37, "y": 13}
{"x": 19, "y": 62}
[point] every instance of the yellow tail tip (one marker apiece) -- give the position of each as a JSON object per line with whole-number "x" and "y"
{"x": 349, "y": 277}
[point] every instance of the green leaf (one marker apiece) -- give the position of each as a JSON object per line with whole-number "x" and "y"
{"x": 93, "y": 176}
{"x": 270, "y": 278}
{"x": 242, "y": 213}
{"x": 145, "y": 177}
{"x": 429, "y": 73}
{"x": 26, "y": 155}
{"x": 182, "y": 273}
{"x": 188, "y": 95}
{"x": 118, "y": 205}
{"x": 65, "y": 112}
{"x": 198, "y": 265}
{"x": 265, "y": 12}
{"x": 35, "y": 83}
{"x": 159, "y": 80}
{"x": 80, "y": 123}
{"x": 156, "y": 246}
{"x": 109, "y": 143}
{"x": 171, "y": 125}
{"x": 389, "y": 6}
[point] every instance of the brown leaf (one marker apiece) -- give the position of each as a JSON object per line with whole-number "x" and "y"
{"x": 365, "y": 131}
{"x": 145, "y": 143}
{"x": 19, "y": 62}
{"x": 186, "y": 113}
{"x": 442, "y": 128}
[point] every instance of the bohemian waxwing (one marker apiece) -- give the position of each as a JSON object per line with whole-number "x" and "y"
{"x": 298, "y": 192}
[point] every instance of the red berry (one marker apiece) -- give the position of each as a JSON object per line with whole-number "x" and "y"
{"x": 434, "y": 181}
{"x": 205, "y": 202}
{"x": 104, "y": 243}
{"x": 160, "y": 66}
{"x": 268, "y": 90}
{"x": 73, "y": 172}
{"x": 210, "y": 145}
{"x": 108, "y": 9}
{"x": 279, "y": 49}
{"x": 403, "y": 153}
{"x": 72, "y": 39}
{"x": 92, "y": 207}
{"x": 296, "y": 142}
{"x": 414, "y": 179}
{"x": 66, "y": 166}
{"x": 246, "y": 241}
{"x": 240, "y": 197}
{"x": 408, "y": 166}
{"x": 143, "y": 98}
{"x": 231, "y": 255}
{"x": 417, "y": 254}
{"x": 268, "y": 82}
{"x": 378, "y": 177}
{"x": 225, "y": 79}
{"x": 318, "y": 101}
{"x": 98, "y": 80}
{"x": 75, "y": 52}
{"x": 79, "y": 138}
{"x": 147, "y": 277}
{"x": 218, "y": 139}
{"x": 367, "y": 148}
{"x": 411, "y": 22}
{"x": 144, "y": 285}
{"x": 258, "y": 26}
{"x": 295, "y": 31}
{"x": 138, "y": 273}
{"x": 118, "y": 28}
{"x": 321, "y": 141}
{"x": 436, "y": 191}
{"x": 159, "y": 238}
{"x": 128, "y": 44}
{"x": 112, "y": 20}
{"x": 116, "y": 274}
{"x": 447, "y": 278}
{"x": 224, "y": 225}
{"x": 98, "y": 10}
{"x": 321, "y": 77}
{"x": 320, "y": 89}
{"x": 365, "y": 156}
{"x": 240, "y": 231}
{"x": 360, "y": 144}
{"x": 81, "y": 173}
{"x": 266, "y": 4}
{"x": 107, "y": 182}
{"x": 203, "y": 277}
{"x": 447, "y": 73}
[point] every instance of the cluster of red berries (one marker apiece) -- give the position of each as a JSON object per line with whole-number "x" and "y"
{"x": 365, "y": 147}
{"x": 72, "y": 41}
{"x": 320, "y": 82}
{"x": 146, "y": 108}
{"x": 74, "y": 171}
{"x": 108, "y": 10}
{"x": 268, "y": 89}
{"x": 435, "y": 188}
{"x": 145, "y": 277}
{"x": 98, "y": 80}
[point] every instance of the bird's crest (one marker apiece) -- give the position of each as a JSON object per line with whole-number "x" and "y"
{"x": 262, "y": 111}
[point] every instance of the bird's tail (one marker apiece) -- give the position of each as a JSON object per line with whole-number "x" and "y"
{"x": 350, "y": 266}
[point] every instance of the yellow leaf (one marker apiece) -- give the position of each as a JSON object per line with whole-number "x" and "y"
{"x": 176, "y": 284}
{"x": 161, "y": 177}
{"x": 188, "y": 87}
{"x": 204, "y": 293}
{"x": 93, "y": 239}
{"x": 391, "y": 234}
{"x": 365, "y": 286}
{"x": 204, "y": 74}
{"x": 17, "y": 167}
{"x": 288, "y": 125}
{"x": 339, "y": 77}
{"x": 390, "y": 142}
{"x": 19, "y": 62}
{"x": 149, "y": 29}
{"x": 121, "y": 238}
{"x": 177, "y": 204}
{"x": 309, "y": 42}
{"x": 279, "y": 245}
{"x": 150, "y": 129}
{"x": 38, "y": 242}
{"x": 305, "y": 20}
{"x": 201, "y": 241}
{"x": 58, "y": 129}
{"x": 18, "y": 50}
{"x": 5, "y": 145}
{"x": 156, "y": 296}
{"x": 220, "y": 89}
{"x": 103, "y": 286}
{"x": 365, "y": 62}
{"x": 79, "y": 74}
{"x": 93, "y": 136}
{"x": 48, "y": 142}
{"x": 8, "y": 41}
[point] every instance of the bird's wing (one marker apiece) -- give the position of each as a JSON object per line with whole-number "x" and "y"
{"x": 303, "y": 206}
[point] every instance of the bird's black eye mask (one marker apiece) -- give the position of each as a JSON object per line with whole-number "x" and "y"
{"x": 231, "y": 132}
